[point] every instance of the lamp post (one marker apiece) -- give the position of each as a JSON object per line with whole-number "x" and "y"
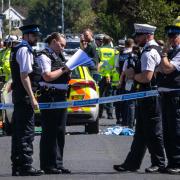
{"x": 62, "y": 15}
{"x": 9, "y": 17}
{"x": 2, "y": 6}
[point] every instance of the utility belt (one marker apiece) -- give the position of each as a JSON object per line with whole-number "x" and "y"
{"x": 143, "y": 87}
{"x": 51, "y": 91}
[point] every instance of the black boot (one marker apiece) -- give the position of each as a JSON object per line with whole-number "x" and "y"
{"x": 15, "y": 171}
{"x": 30, "y": 172}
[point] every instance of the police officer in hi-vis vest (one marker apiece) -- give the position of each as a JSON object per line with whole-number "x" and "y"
{"x": 169, "y": 88}
{"x": 25, "y": 77}
{"x": 107, "y": 56}
{"x": 148, "y": 132}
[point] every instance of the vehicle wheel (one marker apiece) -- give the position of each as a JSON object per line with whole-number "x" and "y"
{"x": 93, "y": 127}
{"x": 7, "y": 128}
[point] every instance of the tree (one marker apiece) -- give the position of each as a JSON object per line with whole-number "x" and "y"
{"x": 78, "y": 14}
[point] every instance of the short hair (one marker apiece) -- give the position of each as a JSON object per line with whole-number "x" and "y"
{"x": 106, "y": 39}
{"x": 129, "y": 42}
{"x": 89, "y": 30}
{"x": 54, "y": 35}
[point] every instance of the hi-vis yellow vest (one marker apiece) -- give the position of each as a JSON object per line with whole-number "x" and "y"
{"x": 107, "y": 61}
{"x": 4, "y": 63}
{"x": 115, "y": 78}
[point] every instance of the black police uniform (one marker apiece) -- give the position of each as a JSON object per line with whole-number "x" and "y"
{"x": 170, "y": 113}
{"x": 54, "y": 120}
{"x": 148, "y": 132}
{"x": 23, "y": 115}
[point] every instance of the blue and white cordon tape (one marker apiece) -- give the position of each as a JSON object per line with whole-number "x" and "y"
{"x": 102, "y": 100}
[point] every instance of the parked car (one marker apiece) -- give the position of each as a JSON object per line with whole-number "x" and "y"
{"x": 72, "y": 45}
{"x": 82, "y": 87}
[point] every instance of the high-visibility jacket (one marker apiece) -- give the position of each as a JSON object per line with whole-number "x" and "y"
{"x": 4, "y": 62}
{"x": 115, "y": 78}
{"x": 107, "y": 61}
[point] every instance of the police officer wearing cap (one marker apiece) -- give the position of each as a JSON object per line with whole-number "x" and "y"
{"x": 54, "y": 87}
{"x": 169, "y": 88}
{"x": 148, "y": 133}
{"x": 24, "y": 81}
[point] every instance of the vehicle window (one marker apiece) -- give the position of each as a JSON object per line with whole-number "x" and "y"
{"x": 72, "y": 45}
{"x": 75, "y": 74}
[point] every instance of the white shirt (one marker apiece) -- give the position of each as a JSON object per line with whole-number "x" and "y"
{"x": 150, "y": 59}
{"x": 44, "y": 62}
{"x": 25, "y": 59}
{"x": 176, "y": 60}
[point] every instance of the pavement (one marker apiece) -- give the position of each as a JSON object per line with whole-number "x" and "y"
{"x": 90, "y": 157}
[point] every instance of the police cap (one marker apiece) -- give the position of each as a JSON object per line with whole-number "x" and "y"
{"x": 30, "y": 29}
{"x": 174, "y": 28}
{"x": 143, "y": 29}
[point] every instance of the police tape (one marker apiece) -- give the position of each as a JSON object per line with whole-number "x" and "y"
{"x": 102, "y": 100}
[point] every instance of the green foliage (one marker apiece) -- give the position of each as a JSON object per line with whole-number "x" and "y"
{"x": 158, "y": 13}
{"x": 114, "y": 17}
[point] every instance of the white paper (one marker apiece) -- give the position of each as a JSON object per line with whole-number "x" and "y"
{"x": 79, "y": 58}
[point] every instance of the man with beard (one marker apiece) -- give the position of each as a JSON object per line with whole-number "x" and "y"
{"x": 169, "y": 85}
{"x": 24, "y": 76}
{"x": 148, "y": 133}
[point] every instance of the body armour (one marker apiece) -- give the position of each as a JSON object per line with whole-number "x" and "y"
{"x": 19, "y": 92}
{"x": 153, "y": 83}
{"x": 171, "y": 80}
{"x": 56, "y": 63}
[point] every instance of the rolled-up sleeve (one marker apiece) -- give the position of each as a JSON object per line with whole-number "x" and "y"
{"x": 25, "y": 60}
{"x": 176, "y": 61}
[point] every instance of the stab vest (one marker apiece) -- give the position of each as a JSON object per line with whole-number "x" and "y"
{"x": 171, "y": 80}
{"x": 19, "y": 92}
{"x": 122, "y": 58}
{"x": 56, "y": 63}
{"x": 153, "y": 83}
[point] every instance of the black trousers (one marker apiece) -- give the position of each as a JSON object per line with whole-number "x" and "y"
{"x": 148, "y": 135}
{"x": 53, "y": 133}
{"x": 171, "y": 127}
{"x": 22, "y": 136}
{"x": 105, "y": 90}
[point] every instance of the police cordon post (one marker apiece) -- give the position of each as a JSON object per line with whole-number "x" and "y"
{"x": 103, "y": 100}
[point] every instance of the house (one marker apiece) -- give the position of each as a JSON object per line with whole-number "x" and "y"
{"x": 15, "y": 17}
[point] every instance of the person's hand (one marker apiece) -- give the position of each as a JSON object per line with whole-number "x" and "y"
{"x": 34, "y": 104}
{"x": 65, "y": 69}
{"x": 130, "y": 73}
{"x": 166, "y": 49}
{"x": 108, "y": 80}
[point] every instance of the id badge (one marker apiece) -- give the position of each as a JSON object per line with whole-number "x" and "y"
{"x": 129, "y": 84}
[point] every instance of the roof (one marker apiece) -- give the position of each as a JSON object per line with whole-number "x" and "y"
{"x": 6, "y": 12}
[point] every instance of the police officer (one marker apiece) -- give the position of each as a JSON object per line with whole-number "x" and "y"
{"x": 9, "y": 42}
{"x": 24, "y": 80}
{"x": 148, "y": 133}
{"x": 54, "y": 87}
{"x": 107, "y": 56}
{"x": 169, "y": 87}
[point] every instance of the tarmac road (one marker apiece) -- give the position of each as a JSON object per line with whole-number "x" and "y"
{"x": 90, "y": 157}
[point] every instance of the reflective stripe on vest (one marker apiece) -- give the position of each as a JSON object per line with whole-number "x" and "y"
{"x": 107, "y": 60}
